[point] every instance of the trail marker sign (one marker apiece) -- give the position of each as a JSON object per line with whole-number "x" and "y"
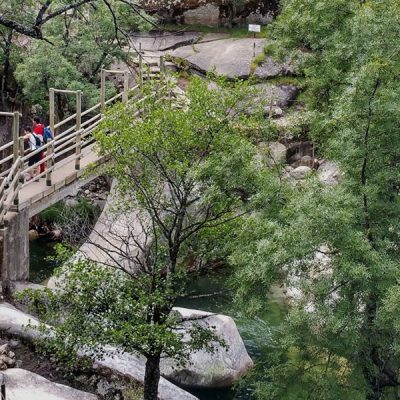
{"x": 254, "y": 28}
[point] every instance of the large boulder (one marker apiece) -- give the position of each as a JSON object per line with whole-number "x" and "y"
{"x": 25, "y": 385}
{"x": 131, "y": 366}
{"x": 210, "y": 370}
{"x": 282, "y": 96}
{"x": 272, "y": 153}
{"x": 17, "y": 323}
{"x": 228, "y": 57}
{"x": 329, "y": 173}
{"x": 270, "y": 68}
{"x": 207, "y": 14}
{"x": 300, "y": 172}
{"x": 204, "y": 370}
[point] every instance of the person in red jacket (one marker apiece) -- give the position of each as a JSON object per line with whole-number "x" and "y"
{"x": 38, "y": 128}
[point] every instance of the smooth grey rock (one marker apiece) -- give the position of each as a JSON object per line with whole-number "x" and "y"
{"x": 25, "y": 385}
{"x": 228, "y": 57}
{"x": 18, "y": 323}
{"x": 282, "y": 96}
{"x": 161, "y": 41}
{"x": 33, "y": 234}
{"x": 206, "y": 370}
{"x": 132, "y": 366}
{"x": 329, "y": 173}
{"x": 207, "y": 14}
{"x": 272, "y": 153}
{"x": 300, "y": 172}
{"x": 270, "y": 68}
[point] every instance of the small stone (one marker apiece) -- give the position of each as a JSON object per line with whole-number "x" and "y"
{"x": 14, "y": 343}
{"x": 33, "y": 234}
{"x": 56, "y": 234}
{"x": 3, "y": 366}
{"x": 300, "y": 172}
{"x": 11, "y": 354}
{"x": 87, "y": 191}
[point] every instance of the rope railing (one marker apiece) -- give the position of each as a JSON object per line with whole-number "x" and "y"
{"x": 66, "y": 145}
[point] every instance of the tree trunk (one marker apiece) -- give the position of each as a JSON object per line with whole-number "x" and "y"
{"x": 6, "y": 67}
{"x": 152, "y": 378}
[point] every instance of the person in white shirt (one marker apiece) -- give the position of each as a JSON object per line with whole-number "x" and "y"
{"x": 33, "y": 143}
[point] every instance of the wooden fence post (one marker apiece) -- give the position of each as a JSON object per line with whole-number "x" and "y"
{"x": 140, "y": 67}
{"x": 102, "y": 90}
{"x": 78, "y": 149}
{"x": 15, "y": 128}
{"x": 126, "y": 87}
{"x": 50, "y": 162}
{"x": 21, "y": 146}
{"x": 51, "y": 111}
{"x": 50, "y": 149}
{"x": 78, "y": 110}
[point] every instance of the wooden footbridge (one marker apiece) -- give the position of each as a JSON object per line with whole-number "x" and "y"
{"x": 67, "y": 157}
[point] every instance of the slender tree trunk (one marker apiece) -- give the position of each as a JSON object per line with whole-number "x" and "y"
{"x": 6, "y": 67}
{"x": 152, "y": 378}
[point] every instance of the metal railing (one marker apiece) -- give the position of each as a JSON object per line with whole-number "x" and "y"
{"x": 66, "y": 146}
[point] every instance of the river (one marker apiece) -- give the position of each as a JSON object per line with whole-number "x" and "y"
{"x": 209, "y": 293}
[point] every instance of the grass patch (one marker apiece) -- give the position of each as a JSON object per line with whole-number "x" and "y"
{"x": 257, "y": 60}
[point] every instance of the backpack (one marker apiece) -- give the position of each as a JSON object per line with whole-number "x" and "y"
{"x": 38, "y": 140}
{"x": 47, "y": 134}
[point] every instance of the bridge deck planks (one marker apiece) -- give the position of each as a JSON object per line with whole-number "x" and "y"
{"x": 63, "y": 174}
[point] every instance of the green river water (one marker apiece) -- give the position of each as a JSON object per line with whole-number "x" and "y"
{"x": 208, "y": 293}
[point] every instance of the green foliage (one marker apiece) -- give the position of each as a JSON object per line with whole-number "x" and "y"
{"x": 98, "y": 307}
{"x": 336, "y": 248}
{"x": 78, "y": 44}
{"x": 60, "y": 212}
{"x": 187, "y": 172}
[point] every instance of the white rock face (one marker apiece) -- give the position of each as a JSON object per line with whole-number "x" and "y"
{"x": 206, "y": 370}
{"x": 132, "y": 366}
{"x": 25, "y": 385}
{"x": 300, "y": 172}
{"x": 16, "y": 323}
{"x": 329, "y": 173}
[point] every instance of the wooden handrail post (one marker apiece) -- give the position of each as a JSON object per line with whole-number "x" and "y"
{"x": 126, "y": 88}
{"x": 15, "y": 128}
{"x": 140, "y": 67}
{"x": 50, "y": 162}
{"x": 51, "y": 111}
{"x": 78, "y": 149}
{"x": 78, "y": 110}
{"x": 21, "y": 152}
{"x": 16, "y": 187}
{"x": 102, "y": 90}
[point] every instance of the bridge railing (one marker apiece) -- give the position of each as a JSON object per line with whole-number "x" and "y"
{"x": 66, "y": 146}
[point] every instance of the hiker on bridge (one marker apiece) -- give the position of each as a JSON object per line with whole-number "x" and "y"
{"x": 38, "y": 129}
{"x": 34, "y": 142}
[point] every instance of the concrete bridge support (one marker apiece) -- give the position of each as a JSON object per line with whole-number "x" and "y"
{"x": 15, "y": 247}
